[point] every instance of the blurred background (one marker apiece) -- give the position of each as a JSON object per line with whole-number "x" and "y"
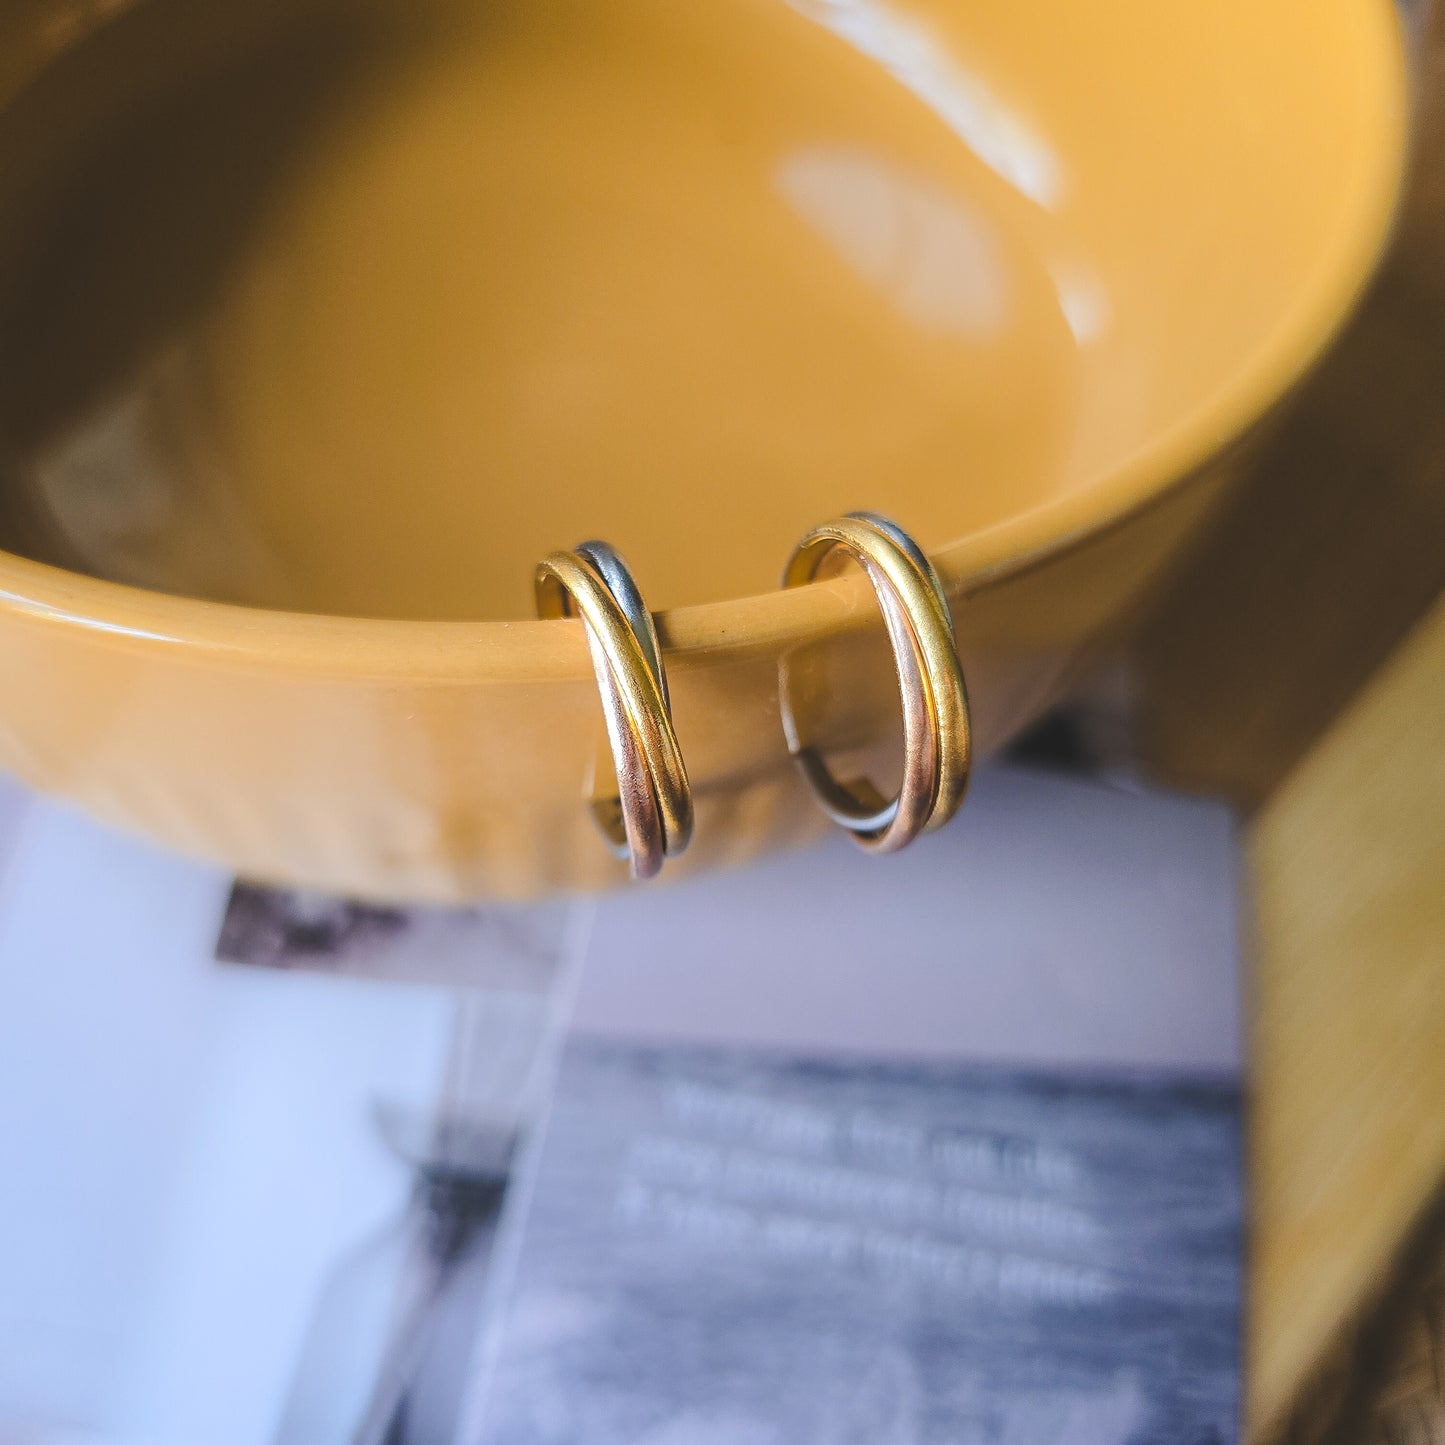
{"x": 1296, "y": 663}
{"x": 1291, "y": 661}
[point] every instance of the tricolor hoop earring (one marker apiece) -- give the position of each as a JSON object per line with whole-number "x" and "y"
{"x": 936, "y": 731}
{"x": 649, "y": 817}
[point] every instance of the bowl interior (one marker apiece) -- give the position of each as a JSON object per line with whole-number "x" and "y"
{"x": 361, "y": 307}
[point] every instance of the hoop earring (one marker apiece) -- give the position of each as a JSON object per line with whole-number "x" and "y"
{"x": 649, "y": 818}
{"x": 937, "y": 736}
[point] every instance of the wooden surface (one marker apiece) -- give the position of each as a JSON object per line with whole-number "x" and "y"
{"x": 1385, "y": 1384}
{"x": 1348, "y": 1127}
{"x": 1390, "y": 1383}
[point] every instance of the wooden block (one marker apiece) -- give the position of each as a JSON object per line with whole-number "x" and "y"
{"x": 1348, "y": 1127}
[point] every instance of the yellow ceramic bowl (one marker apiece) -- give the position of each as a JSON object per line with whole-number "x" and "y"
{"x": 320, "y": 322}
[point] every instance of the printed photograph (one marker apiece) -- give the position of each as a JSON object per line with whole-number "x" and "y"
{"x": 496, "y": 946}
{"x": 390, "y": 1341}
{"x": 730, "y": 1248}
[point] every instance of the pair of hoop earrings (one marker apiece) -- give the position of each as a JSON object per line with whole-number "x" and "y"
{"x": 649, "y": 819}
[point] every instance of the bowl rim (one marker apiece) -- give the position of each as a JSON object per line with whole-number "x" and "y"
{"x": 526, "y": 650}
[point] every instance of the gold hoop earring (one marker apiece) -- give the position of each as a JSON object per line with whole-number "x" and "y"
{"x": 649, "y": 818}
{"x": 937, "y": 736}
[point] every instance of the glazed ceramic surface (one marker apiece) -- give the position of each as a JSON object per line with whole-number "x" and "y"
{"x": 320, "y": 323}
